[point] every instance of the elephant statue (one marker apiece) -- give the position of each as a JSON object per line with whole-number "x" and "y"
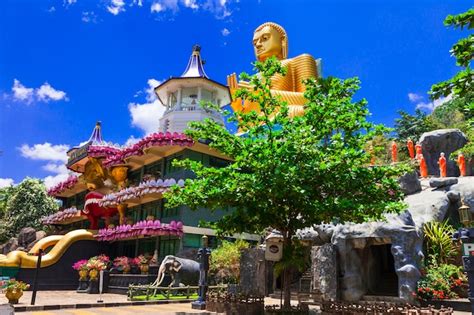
{"x": 182, "y": 271}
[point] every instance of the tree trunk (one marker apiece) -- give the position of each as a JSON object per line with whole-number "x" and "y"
{"x": 287, "y": 288}
{"x": 286, "y": 273}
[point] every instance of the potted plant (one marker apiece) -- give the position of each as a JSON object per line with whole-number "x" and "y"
{"x": 142, "y": 262}
{"x": 122, "y": 263}
{"x": 13, "y": 290}
{"x": 95, "y": 265}
{"x": 81, "y": 267}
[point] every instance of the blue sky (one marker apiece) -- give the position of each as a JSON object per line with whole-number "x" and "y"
{"x": 64, "y": 64}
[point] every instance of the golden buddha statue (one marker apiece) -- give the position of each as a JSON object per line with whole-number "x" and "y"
{"x": 270, "y": 39}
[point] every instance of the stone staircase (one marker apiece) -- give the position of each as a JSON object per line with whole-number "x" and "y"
{"x": 301, "y": 289}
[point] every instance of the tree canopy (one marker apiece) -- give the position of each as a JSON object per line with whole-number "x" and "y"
{"x": 27, "y": 203}
{"x": 291, "y": 173}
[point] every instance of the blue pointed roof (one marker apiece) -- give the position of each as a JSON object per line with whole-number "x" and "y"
{"x": 195, "y": 68}
{"x": 96, "y": 136}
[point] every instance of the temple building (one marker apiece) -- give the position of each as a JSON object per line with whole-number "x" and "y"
{"x": 119, "y": 190}
{"x": 185, "y": 97}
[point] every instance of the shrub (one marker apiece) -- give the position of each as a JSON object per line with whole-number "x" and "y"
{"x": 438, "y": 240}
{"x": 440, "y": 282}
{"x": 225, "y": 261}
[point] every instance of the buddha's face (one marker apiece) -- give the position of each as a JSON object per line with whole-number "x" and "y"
{"x": 267, "y": 42}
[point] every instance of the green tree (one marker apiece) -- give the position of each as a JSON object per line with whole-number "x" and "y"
{"x": 460, "y": 86}
{"x": 225, "y": 261}
{"x": 463, "y": 51}
{"x": 27, "y": 205}
{"x": 412, "y": 126}
{"x": 291, "y": 173}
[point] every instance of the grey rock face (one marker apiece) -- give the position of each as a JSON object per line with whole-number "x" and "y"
{"x": 410, "y": 183}
{"x": 9, "y": 246}
{"x": 443, "y": 182}
{"x": 252, "y": 272}
{"x": 27, "y": 235}
{"x": 324, "y": 269}
{"x": 442, "y": 140}
{"x": 355, "y": 243}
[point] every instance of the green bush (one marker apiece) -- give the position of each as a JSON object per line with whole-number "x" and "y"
{"x": 440, "y": 282}
{"x": 440, "y": 248}
{"x": 225, "y": 262}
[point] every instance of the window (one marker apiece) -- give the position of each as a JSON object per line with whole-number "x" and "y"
{"x": 170, "y": 212}
{"x": 168, "y": 246}
{"x": 169, "y": 165}
{"x": 134, "y": 177}
{"x": 216, "y": 162}
{"x": 153, "y": 169}
{"x": 80, "y": 200}
{"x": 151, "y": 209}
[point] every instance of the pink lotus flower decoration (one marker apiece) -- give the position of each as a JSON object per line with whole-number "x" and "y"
{"x": 60, "y": 216}
{"x": 145, "y": 228}
{"x": 144, "y": 188}
{"x": 67, "y": 184}
{"x": 155, "y": 139}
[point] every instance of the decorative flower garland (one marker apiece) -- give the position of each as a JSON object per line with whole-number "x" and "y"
{"x": 155, "y": 139}
{"x": 102, "y": 150}
{"x": 62, "y": 186}
{"x": 145, "y": 228}
{"x": 144, "y": 188}
{"x": 60, "y": 216}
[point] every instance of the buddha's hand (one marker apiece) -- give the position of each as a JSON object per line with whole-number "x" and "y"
{"x": 232, "y": 82}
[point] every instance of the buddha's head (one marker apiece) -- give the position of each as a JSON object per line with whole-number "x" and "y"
{"x": 269, "y": 39}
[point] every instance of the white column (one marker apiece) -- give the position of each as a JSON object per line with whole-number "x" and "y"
{"x": 178, "y": 106}
{"x": 199, "y": 94}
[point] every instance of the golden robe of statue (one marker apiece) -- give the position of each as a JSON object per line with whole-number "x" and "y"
{"x": 270, "y": 39}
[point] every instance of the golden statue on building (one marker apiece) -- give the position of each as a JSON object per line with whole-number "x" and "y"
{"x": 270, "y": 39}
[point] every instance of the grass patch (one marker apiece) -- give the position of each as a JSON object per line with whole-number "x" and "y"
{"x": 162, "y": 297}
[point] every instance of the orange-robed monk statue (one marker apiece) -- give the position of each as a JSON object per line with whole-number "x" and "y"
{"x": 418, "y": 150}
{"x": 270, "y": 39}
{"x": 411, "y": 149}
{"x": 394, "y": 152}
{"x": 442, "y": 165}
{"x": 462, "y": 164}
{"x": 423, "y": 166}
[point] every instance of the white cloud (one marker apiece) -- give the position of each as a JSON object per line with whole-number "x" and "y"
{"x": 164, "y": 5}
{"x": 146, "y": 116}
{"x": 55, "y": 168}
{"x": 116, "y": 6}
{"x": 6, "y": 182}
{"x": 44, "y": 93}
{"x": 156, "y": 7}
{"x": 430, "y": 106}
{"x": 225, "y": 32}
{"x": 45, "y": 152}
{"x": 191, "y": 4}
{"x": 131, "y": 140}
{"x": 413, "y": 97}
{"x": 150, "y": 91}
{"x": 22, "y": 93}
{"x": 52, "y": 9}
{"x": 137, "y": 2}
{"x": 51, "y": 181}
{"x": 56, "y": 157}
{"x": 89, "y": 17}
{"x": 69, "y": 2}
{"x": 219, "y": 8}
{"x": 47, "y": 93}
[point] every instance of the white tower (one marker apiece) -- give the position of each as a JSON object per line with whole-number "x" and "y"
{"x": 182, "y": 96}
